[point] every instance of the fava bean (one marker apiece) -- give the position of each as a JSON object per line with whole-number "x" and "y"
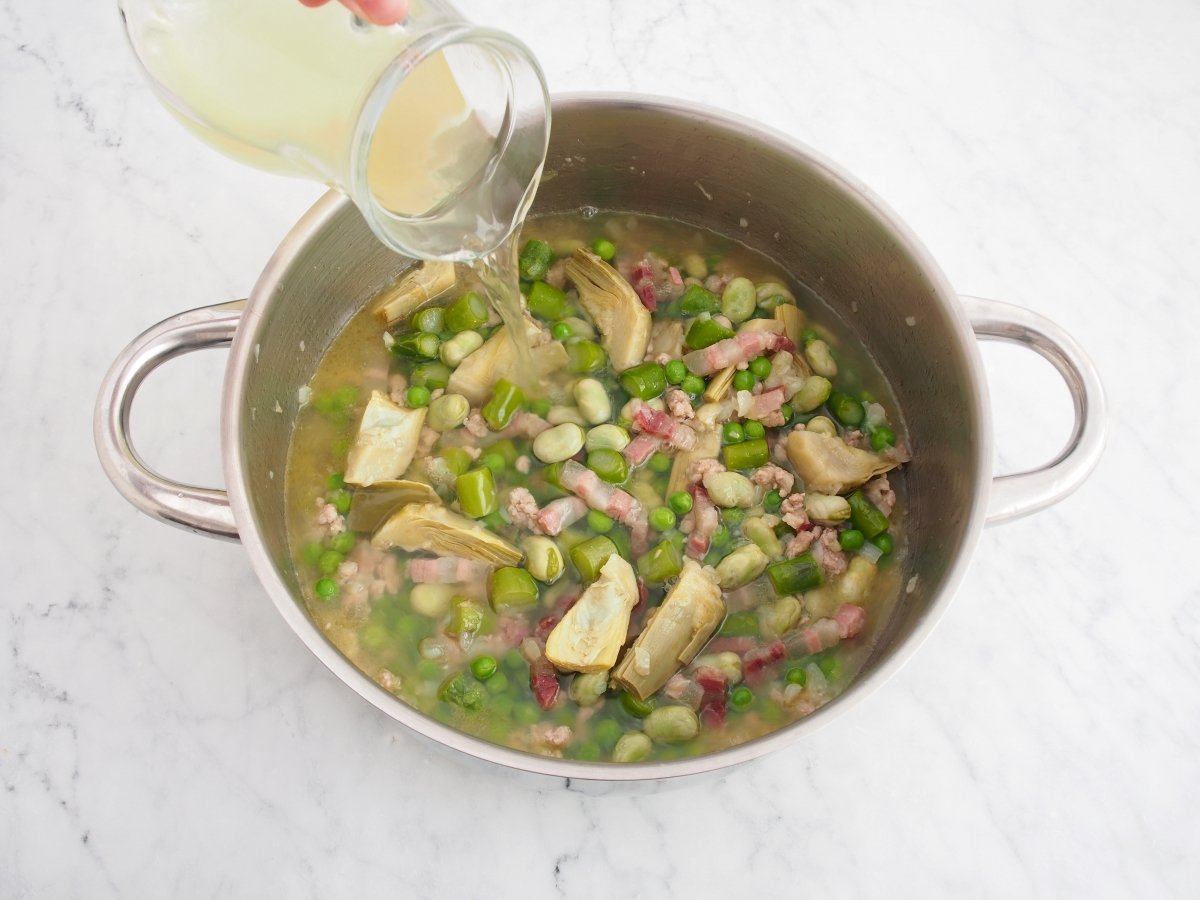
{"x": 447, "y": 412}
{"x": 593, "y": 401}
{"x": 826, "y": 509}
{"x": 459, "y": 347}
{"x": 822, "y": 425}
{"x": 633, "y": 746}
{"x": 671, "y": 725}
{"x": 431, "y": 600}
{"x": 820, "y": 357}
{"x": 607, "y": 437}
{"x": 813, "y": 392}
{"x": 739, "y": 300}
{"x": 730, "y": 489}
{"x": 741, "y": 567}
{"x": 543, "y": 559}
{"x": 558, "y": 443}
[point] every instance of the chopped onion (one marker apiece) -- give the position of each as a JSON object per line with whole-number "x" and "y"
{"x": 871, "y": 552}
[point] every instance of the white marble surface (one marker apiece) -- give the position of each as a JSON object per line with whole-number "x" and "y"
{"x": 163, "y": 734}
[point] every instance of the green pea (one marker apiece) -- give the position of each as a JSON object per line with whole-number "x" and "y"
{"x": 639, "y": 709}
{"x": 741, "y": 696}
{"x": 541, "y": 407}
{"x": 882, "y": 438}
{"x": 526, "y": 713}
{"x": 744, "y": 380}
{"x": 342, "y": 542}
{"x": 335, "y": 481}
{"x": 883, "y": 542}
{"x": 312, "y": 553}
{"x": 494, "y": 462}
{"x": 680, "y": 502}
{"x": 721, "y": 536}
{"x": 514, "y": 661}
{"x": 732, "y": 517}
{"x": 599, "y": 522}
{"x": 340, "y": 499}
{"x": 851, "y": 539}
{"x": 660, "y": 462}
{"x": 693, "y": 385}
{"x": 429, "y": 669}
{"x": 483, "y": 667}
{"x": 731, "y": 433}
{"x": 797, "y": 675}
{"x": 606, "y": 250}
{"x": 829, "y": 667}
{"x": 662, "y": 519}
{"x": 676, "y": 371}
{"x": 589, "y": 751}
{"x": 845, "y": 409}
{"x": 327, "y": 588}
{"x": 417, "y": 396}
{"x": 497, "y": 683}
{"x": 760, "y": 366}
{"x": 809, "y": 336}
{"x": 754, "y": 430}
{"x": 606, "y": 733}
{"x": 560, "y": 331}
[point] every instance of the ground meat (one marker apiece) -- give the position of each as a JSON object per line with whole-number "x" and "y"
{"x": 793, "y": 511}
{"x": 347, "y": 570}
{"x": 800, "y": 543}
{"x": 426, "y": 442}
{"x": 773, "y": 419}
{"x": 397, "y": 384}
{"x": 828, "y": 553}
{"x": 549, "y": 739}
{"x": 698, "y": 468}
{"x": 475, "y": 424}
{"x": 390, "y": 681}
{"x": 523, "y": 509}
{"x": 556, "y": 275}
{"x": 329, "y": 519}
{"x": 679, "y": 405}
{"x": 857, "y": 439}
{"x": 774, "y": 477}
{"x": 880, "y": 493}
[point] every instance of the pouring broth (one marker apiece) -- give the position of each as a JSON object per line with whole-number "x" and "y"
{"x": 686, "y": 535}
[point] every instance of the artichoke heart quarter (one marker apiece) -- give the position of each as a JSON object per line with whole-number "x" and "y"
{"x": 617, "y": 312}
{"x": 674, "y": 635}
{"x": 590, "y": 635}
{"x": 829, "y": 465}
{"x": 435, "y": 529}
{"x": 386, "y": 441}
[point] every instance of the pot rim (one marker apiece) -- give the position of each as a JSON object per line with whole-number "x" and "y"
{"x": 237, "y": 372}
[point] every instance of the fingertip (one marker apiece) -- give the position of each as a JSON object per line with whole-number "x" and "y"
{"x": 384, "y": 12}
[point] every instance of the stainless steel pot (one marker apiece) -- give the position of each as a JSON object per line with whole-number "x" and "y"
{"x": 701, "y": 167}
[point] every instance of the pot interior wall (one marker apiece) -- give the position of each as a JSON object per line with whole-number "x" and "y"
{"x": 699, "y": 170}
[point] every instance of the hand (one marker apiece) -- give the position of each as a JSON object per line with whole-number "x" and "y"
{"x": 381, "y": 12}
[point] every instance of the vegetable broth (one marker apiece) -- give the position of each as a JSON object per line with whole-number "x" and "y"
{"x": 474, "y": 652}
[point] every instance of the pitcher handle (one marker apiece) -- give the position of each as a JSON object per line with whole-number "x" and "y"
{"x": 202, "y": 510}
{"x": 1021, "y": 493}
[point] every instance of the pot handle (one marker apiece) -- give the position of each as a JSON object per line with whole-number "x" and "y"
{"x": 202, "y": 510}
{"x": 1022, "y": 493}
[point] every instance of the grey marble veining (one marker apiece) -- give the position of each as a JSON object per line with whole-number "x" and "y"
{"x": 162, "y": 733}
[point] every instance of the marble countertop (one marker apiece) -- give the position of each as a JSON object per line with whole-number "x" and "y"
{"x": 163, "y": 733}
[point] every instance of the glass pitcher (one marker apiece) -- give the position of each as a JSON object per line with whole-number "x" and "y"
{"x": 436, "y": 129}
